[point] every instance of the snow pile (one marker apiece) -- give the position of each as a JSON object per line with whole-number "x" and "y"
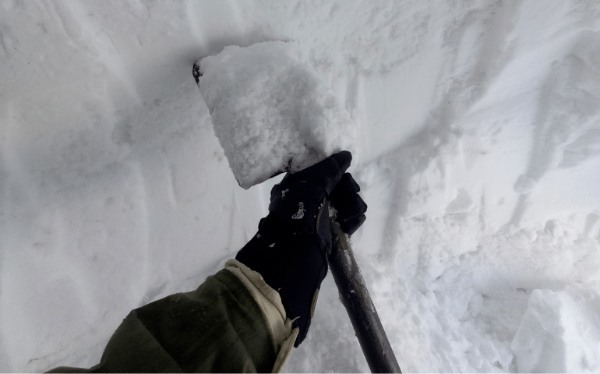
{"x": 560, "y": 331}
{"x": 270, "y": 112}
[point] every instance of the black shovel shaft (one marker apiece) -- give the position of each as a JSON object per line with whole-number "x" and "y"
{"x": 355, "y": 297}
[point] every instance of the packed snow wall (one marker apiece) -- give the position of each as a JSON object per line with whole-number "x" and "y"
{"x": 478, "y": 152}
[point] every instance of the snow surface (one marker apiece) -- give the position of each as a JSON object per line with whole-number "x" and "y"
{"x": 270, "y": 112}
{"x": 478, "y": 151}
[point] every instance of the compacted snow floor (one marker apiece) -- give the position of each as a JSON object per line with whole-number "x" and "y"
{"x": 477, "y": 146}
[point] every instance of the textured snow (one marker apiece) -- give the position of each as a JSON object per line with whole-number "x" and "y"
{"x": 476, "y": 148}
{"x": 559, "y": 332}
{"x": 270, "y": 112}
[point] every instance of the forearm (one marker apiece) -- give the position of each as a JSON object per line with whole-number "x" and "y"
{"x": 233, "y": 322}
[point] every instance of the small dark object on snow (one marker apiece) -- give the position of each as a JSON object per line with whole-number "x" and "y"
{"x": 196, "y": 72}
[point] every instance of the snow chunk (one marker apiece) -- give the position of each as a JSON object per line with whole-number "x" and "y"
{"x": 270, "y": 111}
{"x": 559, "y": 332}
{"x": 300, "y": 213}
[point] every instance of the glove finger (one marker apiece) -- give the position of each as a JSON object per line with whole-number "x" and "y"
{"x": 345, "y": 190}
{"x": 350, "y": 207}
{"x": 345, "y": 198}
{"x": 351, "y": 225}
{"x": 347, "y": 185}
{"x": 327, "y": 173}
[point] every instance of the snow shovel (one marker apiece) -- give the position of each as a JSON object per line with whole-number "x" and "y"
{"x": 271, "y": 115}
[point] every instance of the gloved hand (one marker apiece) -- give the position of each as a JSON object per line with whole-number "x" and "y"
{"x": 290, "y": 248}
{"x": 350, "y": 207}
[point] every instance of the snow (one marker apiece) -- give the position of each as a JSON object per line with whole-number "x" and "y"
{"x": 270, "y": 112}
{"x": 476, "y": 148}
{"x": 567, "y": 323}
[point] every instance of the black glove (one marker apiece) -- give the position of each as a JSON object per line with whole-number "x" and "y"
{"x": 290, "y": 248}
{"x": 350, "y": 207}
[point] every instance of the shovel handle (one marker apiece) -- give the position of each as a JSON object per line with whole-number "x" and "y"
{"x": 361, "y": 310}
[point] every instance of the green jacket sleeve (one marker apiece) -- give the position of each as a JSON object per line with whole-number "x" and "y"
{"x": 232, "y": 323}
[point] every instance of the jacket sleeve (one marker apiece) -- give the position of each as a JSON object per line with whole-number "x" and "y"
{"x": 233, "y": 322}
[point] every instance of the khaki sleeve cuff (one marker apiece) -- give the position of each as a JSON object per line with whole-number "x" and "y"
{"x": 272, "y": 308}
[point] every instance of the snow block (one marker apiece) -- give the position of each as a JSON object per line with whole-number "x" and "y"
{"x": 270, "y": 111}
{"x": 560, "y": 332}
